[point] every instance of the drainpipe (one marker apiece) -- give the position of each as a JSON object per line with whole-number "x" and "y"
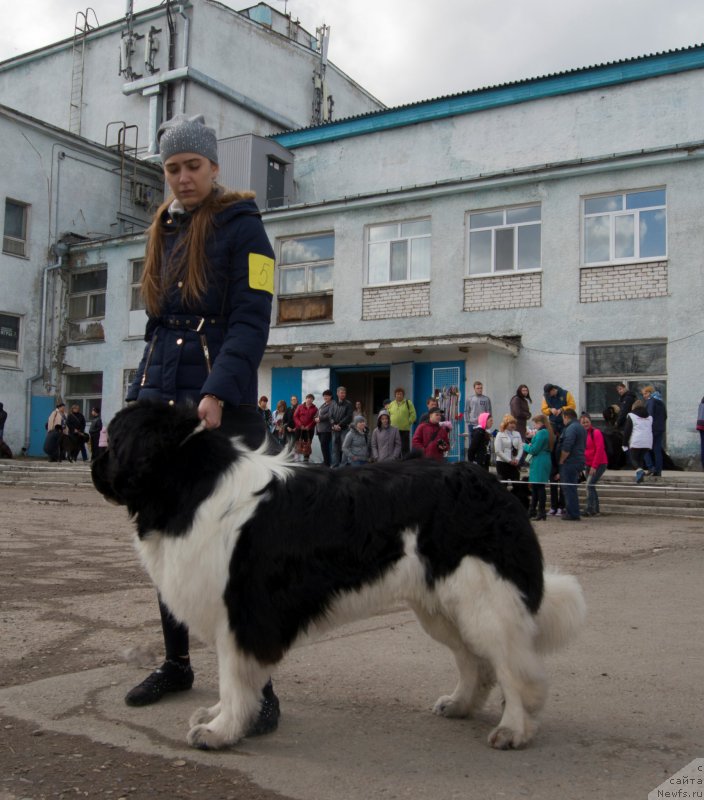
{"x": 42, "y": 349}
{"x": 184, "y": 57}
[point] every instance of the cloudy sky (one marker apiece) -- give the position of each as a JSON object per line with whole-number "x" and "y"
{"x": 407, "y": 50}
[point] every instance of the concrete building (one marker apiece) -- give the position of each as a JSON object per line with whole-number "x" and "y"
{"x": 79, "y": 114}
{"x": 540, "y": 231}
{"x": 545, "y": 231}
{"x": 255, "y": 71}
{"x": 57, "y": 189}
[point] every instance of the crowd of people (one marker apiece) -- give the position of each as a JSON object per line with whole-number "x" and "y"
{"x": 563, "y": 448}
{"x": 558, "y": 447}
{"x": 66, "y": 435}
{"x": 343, "y": 432}
{"x": 521, "y": 440}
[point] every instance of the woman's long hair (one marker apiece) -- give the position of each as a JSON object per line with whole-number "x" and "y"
{"x": 518, "y": 393}
{"x": 188, "y": 263}
{"x": 546, "y": 424}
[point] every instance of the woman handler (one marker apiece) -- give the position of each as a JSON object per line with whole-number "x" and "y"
{"x": 207, "y": 284}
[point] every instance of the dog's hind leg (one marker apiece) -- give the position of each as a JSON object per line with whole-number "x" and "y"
{"x": 240, "y": 678}
{"x": 494, "y": 624}
{"x": 475, "y": 675}
{"x": 523, "y": 687}
{"x": 508, "y": 646}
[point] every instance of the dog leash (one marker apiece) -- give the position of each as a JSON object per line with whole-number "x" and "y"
{"x": 200, "y": 427}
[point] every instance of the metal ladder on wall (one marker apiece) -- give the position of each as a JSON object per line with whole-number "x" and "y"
{"x": 132, "y": 192}
{"x": 80, "y": 33}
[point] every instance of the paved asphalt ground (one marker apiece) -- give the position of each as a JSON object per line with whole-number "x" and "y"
{"x": 624, "y": 709}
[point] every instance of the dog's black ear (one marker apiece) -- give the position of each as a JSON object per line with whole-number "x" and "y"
{"x": 143, "y": 440}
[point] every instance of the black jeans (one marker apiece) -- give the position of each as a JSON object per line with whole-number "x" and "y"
{"x": 405, "y": 442}
{"x": 537, "y": 498}
{"x": 326, "y": 446}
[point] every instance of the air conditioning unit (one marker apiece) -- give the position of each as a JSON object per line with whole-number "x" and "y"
{"x": 15, "y": 247}
{"x": 142, "y": 194}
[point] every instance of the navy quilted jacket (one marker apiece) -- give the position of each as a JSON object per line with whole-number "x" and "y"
{"x": 176, "y": 367}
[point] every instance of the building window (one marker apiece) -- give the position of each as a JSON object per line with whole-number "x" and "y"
{"x": 9, "y": 340}
{"x": 84, "y": 389}
{"x": 399, "y": 251}
{"x": 625, "y": 227}
{"x": 87, "y": 295}
{"x": 275, "y": 183}
{"x": 86, "y": 305}
{"x": 136, "y": 299}
{"x": 504, "y": 240}
{"x": 635, "y": 363}
{"x": 305, "y": 278}
{"x": 128, "y": 376}
{"x": 14, "y": 239}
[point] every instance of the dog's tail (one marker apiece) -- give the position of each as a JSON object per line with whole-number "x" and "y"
{"x": 562, "y": 612}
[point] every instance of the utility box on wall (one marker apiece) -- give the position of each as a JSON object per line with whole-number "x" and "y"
{"x": 259, "y": 164}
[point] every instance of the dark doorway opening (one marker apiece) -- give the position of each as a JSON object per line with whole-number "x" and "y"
{"x": 370, "y": 387}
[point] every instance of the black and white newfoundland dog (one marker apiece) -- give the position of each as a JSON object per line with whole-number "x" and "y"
{"x": 255, "y": 553}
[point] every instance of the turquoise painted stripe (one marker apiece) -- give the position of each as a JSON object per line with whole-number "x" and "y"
{"x": 483, "y": 99}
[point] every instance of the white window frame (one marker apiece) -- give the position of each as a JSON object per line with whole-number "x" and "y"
{"x": 88, "y": 295}
{"x": 85, "y": 400}
{"x": 128, "y": 376}
{"x": 136, "y": 299}
{"x": 307, "y": 265}
{"x": 11, "y": 358}
{"x": 622, "y": 213}
{"x": 504, "y": 226}
{"x": 634, "y": 380}
{"x": 14, "y": 245}
{"x": 399, "y": 237}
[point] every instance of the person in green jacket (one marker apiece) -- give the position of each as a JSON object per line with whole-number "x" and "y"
{"x": 403, "y": 415}
{"x": 539, "y": 450}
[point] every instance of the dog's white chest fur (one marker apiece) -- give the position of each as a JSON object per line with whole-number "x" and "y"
{"x": 191, "y": 570}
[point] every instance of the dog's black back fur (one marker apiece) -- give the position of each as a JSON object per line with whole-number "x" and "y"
{"x": 316, "y": 533}
{"x": 339, "y": 526}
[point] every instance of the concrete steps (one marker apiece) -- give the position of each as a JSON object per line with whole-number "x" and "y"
{"x": 32, "y": 472}
{"x": 674, "y": 494}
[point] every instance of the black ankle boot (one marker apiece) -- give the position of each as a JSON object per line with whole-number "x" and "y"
{"x": 269, "y": 713}
{"x": 171, "y": 676}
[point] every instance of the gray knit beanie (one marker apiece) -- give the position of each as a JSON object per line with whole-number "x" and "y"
{"x": 182, "y": 134}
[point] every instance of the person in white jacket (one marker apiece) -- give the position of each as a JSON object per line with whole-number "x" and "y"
{"x": 638, "y": 437}
{"x": 508, "y": 447}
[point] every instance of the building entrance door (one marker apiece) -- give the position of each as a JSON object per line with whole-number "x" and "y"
{"x": 370, "y": 387}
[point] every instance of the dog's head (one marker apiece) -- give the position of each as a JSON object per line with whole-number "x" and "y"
{"x": 160, "y": 464}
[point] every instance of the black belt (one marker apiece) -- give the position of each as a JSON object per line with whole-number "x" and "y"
{"x": 191, "y": 322}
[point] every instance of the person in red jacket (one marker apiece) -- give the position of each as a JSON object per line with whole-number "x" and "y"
{"x": 596, "y": 461}
{"x": 432, "y": 437}
{"x": 304, "y": 420}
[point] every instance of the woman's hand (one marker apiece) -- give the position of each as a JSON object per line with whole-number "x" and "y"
{"x": 210, "y": 411}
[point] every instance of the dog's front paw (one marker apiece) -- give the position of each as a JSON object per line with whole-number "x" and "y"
{"x": 448, "y": 706}
{"x": 204, "y": 737}
{"x": 204, "y": 715}
{"x": 504, "y": 738}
